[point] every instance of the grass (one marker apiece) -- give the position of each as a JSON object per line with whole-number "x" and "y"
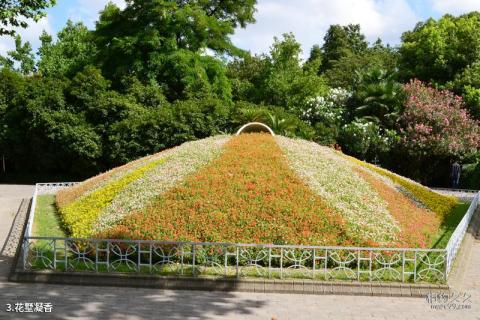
{"x": 449, "y": 224}
{"x": 46, "y": 221}
{"x": 176, "y": 269}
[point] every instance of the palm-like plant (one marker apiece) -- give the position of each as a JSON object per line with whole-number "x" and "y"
{"x": 246, "y": 115}
{"x": 281, "y": 126}
{"x": 378, "y": 97}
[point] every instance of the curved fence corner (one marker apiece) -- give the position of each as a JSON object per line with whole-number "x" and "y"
{"x": 457, "y": 236}
{"x": 40, "y": 189}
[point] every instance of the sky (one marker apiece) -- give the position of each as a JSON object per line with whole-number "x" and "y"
{"x": 307, "y": 19}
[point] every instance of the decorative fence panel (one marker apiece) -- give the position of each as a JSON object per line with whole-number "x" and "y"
{"x": 189, "y": 259}
{"x": 235, "y": 260}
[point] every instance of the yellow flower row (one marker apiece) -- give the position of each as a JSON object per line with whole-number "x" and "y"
{"x": 79, "y": 216}
{"x": 437, "y": 203}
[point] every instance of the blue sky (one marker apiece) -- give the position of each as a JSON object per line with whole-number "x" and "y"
{"x": 307, "y": 19}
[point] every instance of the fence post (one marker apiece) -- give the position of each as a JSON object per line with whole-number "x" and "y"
{"x": 236, "y": 266}
{"x": 25, "y": 252}
{"x": 446, "y": 265}
{"x": 193, "y": 260}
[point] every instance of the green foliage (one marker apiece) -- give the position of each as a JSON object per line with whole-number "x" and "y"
{"x": 245, "y": 112}
{"x": 186, "y": 75}
{"x": 288, "y": 84}
{"x": 315, "y": 59}
{"x": 467, "y": 84}
{"x": 470, "y": 176}
{"x": 248, "y": 76}
{"x": 164, "y": 41}
{"x": 147, "y": 131}
{"x": 14, "y": 13}
{"x": 437, "y": 50}
{"x": 278, "y": 119}
{"x": 22, "y": 55}
{"x": 471, "y": 97}
{"x": 157, "y": 73}
{"x": 378, "y": 97}
{"x": 366, "y": 140}
{"x": 279, "y": 79}
{"x": 73, "y": 50}
{"x": 341, "y": 72}
{"x": 341, "y": 41}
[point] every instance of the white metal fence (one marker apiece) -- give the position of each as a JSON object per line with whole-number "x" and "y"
{"x": 239, "y": 260}
{"x": 457, "y": 236}
{"x": 236, "y": 260}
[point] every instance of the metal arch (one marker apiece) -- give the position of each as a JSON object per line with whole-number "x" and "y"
{"x": 250, "y": 124}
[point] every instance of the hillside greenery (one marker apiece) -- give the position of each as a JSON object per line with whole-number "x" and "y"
{"x": 159, "y": 73}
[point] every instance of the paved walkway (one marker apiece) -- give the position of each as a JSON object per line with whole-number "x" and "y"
{"x": 10, "y": 200}
{"x": 78, "y": 302}
{"x": 462, "y": 195}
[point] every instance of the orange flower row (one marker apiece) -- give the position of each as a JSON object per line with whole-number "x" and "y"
{"x": 418, "y": 226}
{"x": 249, "y": 194}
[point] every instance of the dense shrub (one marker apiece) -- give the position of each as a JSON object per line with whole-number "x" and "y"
{"x": 470, "y": 178}
{"x": 435, "y": 124}
{"x": 366, "y": 140}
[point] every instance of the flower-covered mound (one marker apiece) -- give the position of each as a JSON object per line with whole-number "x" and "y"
{"x": 255, "y": 188}
{"x": 248, "y": 194}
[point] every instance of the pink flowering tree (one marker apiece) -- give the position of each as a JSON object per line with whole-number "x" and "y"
{"x": 435, "y": 124}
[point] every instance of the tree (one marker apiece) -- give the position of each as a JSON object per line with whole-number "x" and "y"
{"x": 247, "y": 76}
{"x": 23, "y": 55}
{"x": 288, "y": 84}
{"x": 279, "y": 79}
{"x": 73, "y": 50}
{"x": 11, "y": 83}
{"x": 341, "y": 41}
{"x": 467, "y": 84}
{"x": 341, "y": 71}
{"x": 437, "y": 50}
{"x": 14, "y": 12}
{"x": 315, "y": 59}
{"x": 148, "y": 35}
{"x": 185, "y": 75}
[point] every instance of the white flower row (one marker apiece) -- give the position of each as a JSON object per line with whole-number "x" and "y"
{"x": 333, "y": 178}
{"x": 179, "y": 162}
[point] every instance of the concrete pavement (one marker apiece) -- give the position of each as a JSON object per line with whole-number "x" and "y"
{"x": 10, "y": 199}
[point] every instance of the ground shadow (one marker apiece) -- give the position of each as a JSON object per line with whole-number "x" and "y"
{"x": 125, "y": 303}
